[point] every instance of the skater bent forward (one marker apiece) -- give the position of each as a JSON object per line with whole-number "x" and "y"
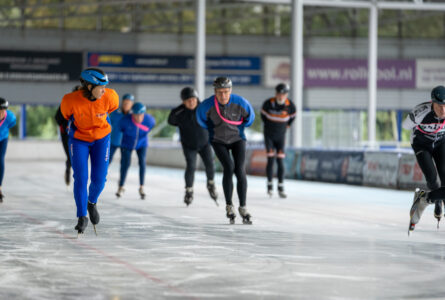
{"x": 427, "y": 122}
{"x": 135, "y": 128}
{"x": 225, "y": 115}
{"x": 194, "y": 140}
{"x": 7, "y": 121}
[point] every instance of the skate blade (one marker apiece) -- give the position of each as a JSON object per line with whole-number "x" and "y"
{"x": 95, "y": 231}
{"x": 216, "y": 202}
{"x": 411, "y": 227}
{"x": 247, "y": 222}
{"x": 232, "y": 221}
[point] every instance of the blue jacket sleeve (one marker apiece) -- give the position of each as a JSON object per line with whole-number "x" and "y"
{"x": 250, "y": 114}
{"x": 201, "y": 112}
{"x": 121, "y": 124}
{"x": 13, "y": 120}
{"x": 151, "y": 122}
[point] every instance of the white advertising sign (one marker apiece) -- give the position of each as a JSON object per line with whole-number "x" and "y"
{"x": 430, "y": 73}
{"x": 277, "y": 70}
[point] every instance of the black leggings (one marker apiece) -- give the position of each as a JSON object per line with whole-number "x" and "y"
{"x": 431, "y": 169}
{"x": 190, "y": 158}
{"x": 230, "y": 166}
{"x": 272, "y": 145}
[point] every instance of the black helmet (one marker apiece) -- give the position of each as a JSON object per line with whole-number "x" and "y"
{"x": 188, "y": 92}
{"x": 438, "y": 94}
{"x": 222, "y": 83}
{"x": 282, "y": 88}
{"x": 3, "y": 103}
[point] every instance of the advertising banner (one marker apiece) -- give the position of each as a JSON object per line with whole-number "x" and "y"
{"x": 346, "y": 73}
{"x": 381, "y": 169}
{"x": 430, "y": 73}
{"x": 175, "y": 69}
{"x": 257, "y": 163}
{"x": 103, "y": 59}
{"x": 330, "y": 166}
{"x": 290, "y": 163}
{"x": 410, "y": 174}
{"x": 40, "y": 66}
{"x": 308, "y": 166}
{"x": 352, "y": 168}
{"x": 177, "y": 78}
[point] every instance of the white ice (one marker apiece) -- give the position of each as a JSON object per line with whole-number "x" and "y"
{"x": 325, "y": 241}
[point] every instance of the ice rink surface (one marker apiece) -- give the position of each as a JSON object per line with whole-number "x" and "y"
{"x": 324, "y": 241}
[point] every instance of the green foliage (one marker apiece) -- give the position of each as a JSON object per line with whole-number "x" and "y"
{"x": 162, "y": 129}
{"x": 40, "y": 121}
{"x": 222, "y": 18}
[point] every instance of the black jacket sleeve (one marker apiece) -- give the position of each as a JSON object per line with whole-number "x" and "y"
{"x": 173, "y": 117}
{"x": 61, "y": 121}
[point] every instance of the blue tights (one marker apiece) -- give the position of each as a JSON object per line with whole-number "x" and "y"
{"x": 80, "y": 151}
{"x": 3, "y": 146}
{"x": 126, "y": 161}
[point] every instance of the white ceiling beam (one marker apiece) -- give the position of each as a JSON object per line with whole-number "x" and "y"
{"x": 418, "y": 5}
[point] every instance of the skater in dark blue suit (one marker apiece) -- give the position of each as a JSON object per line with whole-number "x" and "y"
{"x": 115, "y": 117}
{"x": 135, "y": 128}
{"x": 7, "y": 120}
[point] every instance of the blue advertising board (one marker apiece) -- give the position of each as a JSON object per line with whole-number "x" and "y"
{"x": 115, "y": 60}
{"x": 174, "y": 69}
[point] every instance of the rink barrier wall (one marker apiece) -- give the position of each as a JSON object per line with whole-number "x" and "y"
{"x": 390, "y": 169}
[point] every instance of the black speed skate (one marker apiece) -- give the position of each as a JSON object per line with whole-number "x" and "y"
{"x": 142, "y": 193}
{"x": 120, "y": 191}
{"x": 230, "y": 213}
{"x": 212, "y": 191}
{"x": 281, "y": 192}
{"x": 82, "y": 224}
{"x": 1, "y": 197}
{"x": 188, "y": 198}
{"x": 269, "y": 189}
{"x": 438, "y": 211}
{"x": 67, "y": 175}
{"x": 245, "y": 215}
{"x": 94, "y": 215}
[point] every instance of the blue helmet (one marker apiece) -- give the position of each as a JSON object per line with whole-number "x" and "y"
{"x": 128, "y": 97}
{"x": 93, "y": 76}
{"x": 138, "y": 108}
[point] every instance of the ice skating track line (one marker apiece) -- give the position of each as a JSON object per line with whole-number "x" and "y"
{"x": 112, "y": 258}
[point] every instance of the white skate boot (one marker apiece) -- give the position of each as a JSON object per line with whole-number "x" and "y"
{"x": 419, "y": 204}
